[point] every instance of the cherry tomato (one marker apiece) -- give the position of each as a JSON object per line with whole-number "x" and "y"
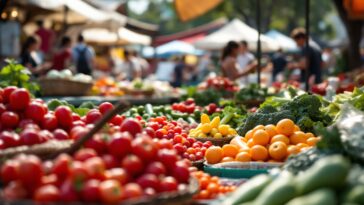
{"x": 6, "y": 93}
{"x": 105, "y": 107}
{"x": 60, "y": 134}
{"x": 14, "y": 191}
{"x": 168, "y": 184}
{"x": 110, "y": 191}
{"x": 96, "y": 143}
{"x": 19, "y": 99}
{"x": 31, "y": 171}
{"x": 49, "y": 122}
{"x": 64, "y": 116}
{"x": 132, "y": 190}
{"x": 93, "y": 116}
{"x": 167, "y": 157}
{"x": 117, "y": 141}
{"x": 132, "y": 126}
{"x": 47, "y": 193}
{"x": 10, "y": 139}
{"x": 110, "y": 161}
{"x": 10, "y": 171}
{"x": 9, "y": 119}
{"x": 90, "y": 191}
{"x": 148, "y": 180}
{"x": 156, "y": 168}
{"x": 30, "y": 137}
{"x": 35, "y": 111}
{"x": 95, "y": 167}
{"x": 144, "y": 148}
{"x": 84, "y": 154}
{"x": 118, "y": 174}
{"x": 133, "y": 165}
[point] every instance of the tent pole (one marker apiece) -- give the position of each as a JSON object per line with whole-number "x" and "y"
{"x": 65, "y": 16}
{"x": 259, "y": 50}
{"x": 307, "y": 75}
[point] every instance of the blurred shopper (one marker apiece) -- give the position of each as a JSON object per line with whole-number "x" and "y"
{"x": 313, "y": 67}
{"x": 47, "y": 37}
{"x": 83, "y": 56}
{"x": 279, "y": 63}
{"x": 129, "y": 69}
{"x": 229, "y": 64}
{"x": 179, "y": 70}
{"x": 29, "y": 56}
{"x": 62, "y": 58}
{"x": 142, "y": 63}
{"x": 245, "y": 57}
{"x": 329, "y": 61}
{"x": 205, "y": 66}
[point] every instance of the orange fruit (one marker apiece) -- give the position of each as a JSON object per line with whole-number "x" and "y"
{"x": 278, "y": 150}
{"x": 249, "y": 135}
{"x": 285, "y": 127}
{"x": 271, "y": 130}
{"x": 309, "y": 135}
{"x": 214, "y": 154}
{"x": 227, "y": 159}
{"x": 247, "y": 150}
{"x": 280, "y": 138}
{"x": 258, "y": 127}
{"x": 312, "y": 141}
{"x": 296, "y": 128}
{"x": 298, "y": 137}
{"x": 261, "y": 137}
{"x": 250, "y": 143}
{"x": 243, "y": 157}
{"x": 293, "y": 149}
{"x": 215, "y": 179}
{"x": 230, "y": 150}
{"x": 301, "y": 145}
{"x": 259, "y": 152}
{"x": 213, "y": 188}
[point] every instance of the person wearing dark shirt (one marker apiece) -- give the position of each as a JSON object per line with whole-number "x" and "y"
{"x": 29, "y": 56}
{"x": 179, "y": 72}
{"x": 279, "y": 63}
{"x": 62, "y": 58}
{"x": 313, "y": 66}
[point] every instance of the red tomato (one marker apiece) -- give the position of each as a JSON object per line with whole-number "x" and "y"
{"x": 168, "y": 184}
{"x": 144, "y": 148}
{"x": 49, "y": 122}
{"x": 29, "y": 137}
{"x": 156, "y": 168}
{"x": 110, "y": 191}
{"x": 150, "y": 132}
{"x": 77, "y": 132}
{"x": 68, "y": 192}
{"x": 110, "y": 161}
{"x": 14, "y": 191}
{"x": 35, "y": 111}
{"x": 84, "y": 154}
{"x": 93, "y": 116}
{"x": 179, "y": 148}
{"x": 60, "y": 134}
{"x": 19, "y": 99}
{"x": 149, "y": 192}
{"x": 90, "y": 191}
{"x": 75, "y": 117}
{"x": 2, "y": 108}
{"x": 95, "y": 167}
{"x": 118, "y": 174}
{"x": 6, "y": 93}
{"x": 64, "y": 116}
{"x": 51, "y": 179}
{"x": 105, "y": 107}
{"x": 78, "y": 172}
{"x": 118, "y": 141}
{"x": 31, "y": 171}
{"x": 132, "y": 126}
{"x": 165, "y": 144}
{"x": 45, "y": 135}
{"x": 116, "y": 120}
{"x": 133, "y": 165}
{"x": 10, "y": 139}
{"x": 148, "y": 180}
{"x": 96, "y": 143}
{"x": 181, "y": 172}
{"x": 47, "y": 193}
{"x": 132, "y": 190}
{"x": 168, "y": 157}
{"x": 9, "y": 119}
{"x": 10, "y": 171}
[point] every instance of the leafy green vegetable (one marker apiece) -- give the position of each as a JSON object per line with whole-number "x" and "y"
{"x": 14, "y": 74}
{"x": 204, "y": 97}
{"x": 252, "y": 92}
{"x": 53, "y": 104}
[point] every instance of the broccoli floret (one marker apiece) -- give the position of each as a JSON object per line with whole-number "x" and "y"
{"x": 267, "y": 109}
{"x": 305, "y": 123}
{"x": 263, "y": 119}
{"x": 304, "y": 105}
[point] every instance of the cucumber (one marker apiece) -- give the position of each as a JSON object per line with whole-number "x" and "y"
{"x": 168, "y": 110}
{"x": 191, "y": 120}
{"x": 248, "y": 191}
{"x": 326, "y": 172}
{"x": 133, "y": 110}
{"x": 319, "y": 197}
{"x": 355, "y": 195}
{"x": 149, "y": 109}
{"x": 279, "y": 192}
{"x": 176, "y": 115}
{"x": 226, "y": 118}
{"x": 140, "y": 109}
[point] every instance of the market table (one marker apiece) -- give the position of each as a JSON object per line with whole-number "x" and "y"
{"x": 134, "y": 100}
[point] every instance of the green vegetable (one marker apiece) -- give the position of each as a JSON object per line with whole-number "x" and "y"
{"x": 280, "y": 191}
{"x": 227, "y": 118}
{"x": 355, "y": 195}
{"x": 53, "y": 104}
{"x": 14, "y": 74}
{"x": 251, "y": 92}
{"x": 318, "y": 197}
{"x": 249, "y": 190}
{"x": 203, "y": 97}
{"x": 330, "y": 172}
{"x": 149, "y": 109}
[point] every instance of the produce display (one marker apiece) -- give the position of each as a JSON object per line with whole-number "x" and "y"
{"x": 272, "y": 143}
{"x": 106, "y": 87}
{"x": 215, "y": 128}
{"x": 67, "y": 74}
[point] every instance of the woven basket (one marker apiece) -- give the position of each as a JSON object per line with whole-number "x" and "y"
{"x": 217, "y": 142}
{"x": 63, "y": 87}
{"x": 173, "y": 198}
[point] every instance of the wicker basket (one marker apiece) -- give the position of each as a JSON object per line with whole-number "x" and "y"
{"x": 217, "y": 142}
{"x": 63, "y": 87}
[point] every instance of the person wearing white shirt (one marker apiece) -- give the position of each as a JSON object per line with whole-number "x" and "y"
{"x": 245, "y": 57}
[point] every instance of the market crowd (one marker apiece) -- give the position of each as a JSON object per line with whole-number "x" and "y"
{"x": 235, "y": 61}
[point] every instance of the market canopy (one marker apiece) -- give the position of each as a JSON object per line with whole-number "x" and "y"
{"x": 236, "y": 30}
{"x": 190, "y": 9}
{"x": 286, "y": 43}
{"x": 172, "y": 48}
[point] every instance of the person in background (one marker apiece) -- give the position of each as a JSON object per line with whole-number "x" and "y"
{"x": 329, "y": 61}
{"x": 129, "y": 70}
{"x": 230, "y": 67}
{"x": 62, "y": 58}
{"x": 279, "y": 63}
{"x": 179, "y": 70}
{"x": 47, "y": 37}
{"x": 204, "y": 66}
{"x": 29, "y": 56}
{"x": 313, "y": 66}
{"x": 83, "y": 56}
{"x": 143, "y": 64}
{"x": 245, "y": 58}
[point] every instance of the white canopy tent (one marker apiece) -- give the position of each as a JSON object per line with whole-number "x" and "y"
{"x": 236, "y": 30}
{"x": 285, "y": 42}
